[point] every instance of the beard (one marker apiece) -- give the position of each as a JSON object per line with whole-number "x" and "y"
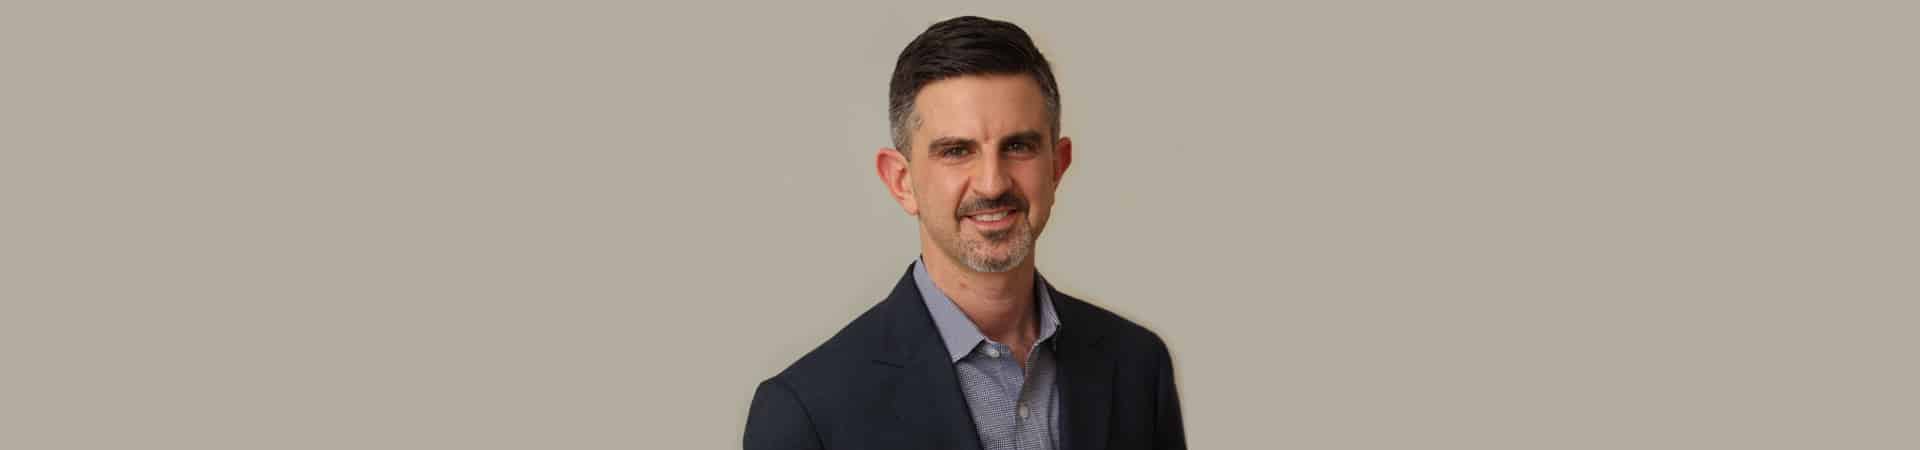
{"x": 995, "y": 251}
{"x": 990, "y": 251}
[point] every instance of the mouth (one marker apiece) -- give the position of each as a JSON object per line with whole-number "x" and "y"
{"x": 994, "y": 219}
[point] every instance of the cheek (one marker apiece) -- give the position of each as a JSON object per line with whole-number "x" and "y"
{"x": 1040, "y": 198}
{"x": 948, "y": 192}
{"x": 937, "y": 200}
{"x": 1039, "y": 189}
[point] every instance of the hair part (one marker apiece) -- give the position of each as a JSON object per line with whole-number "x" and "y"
{"x": 961, "y": 46}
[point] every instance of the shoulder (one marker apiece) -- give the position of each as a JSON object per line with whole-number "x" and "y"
{"x": 1116, "y": 332}
{"x": 825, "y": 389}
{"x": 849, "y": 352}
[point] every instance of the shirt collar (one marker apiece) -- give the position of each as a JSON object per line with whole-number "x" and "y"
{"x": 956, "y": 330}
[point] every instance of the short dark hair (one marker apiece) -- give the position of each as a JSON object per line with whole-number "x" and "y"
{"x": 959, "y": 46}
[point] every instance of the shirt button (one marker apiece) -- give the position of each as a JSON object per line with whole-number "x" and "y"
{"x": 992, "y": 353}
{"x": 1023, "y": 411}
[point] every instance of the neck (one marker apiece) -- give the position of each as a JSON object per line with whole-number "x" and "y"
{"x": 999, "y": 303}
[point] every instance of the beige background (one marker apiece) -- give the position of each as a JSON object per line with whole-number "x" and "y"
{"x": 1366, "y": 225}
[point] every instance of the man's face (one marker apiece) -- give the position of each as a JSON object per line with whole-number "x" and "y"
{"x": 984, "y": 167}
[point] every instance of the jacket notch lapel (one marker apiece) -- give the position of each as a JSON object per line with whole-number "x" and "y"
{"x": 927, "y": 401}
{"x": 1088, "y": 379}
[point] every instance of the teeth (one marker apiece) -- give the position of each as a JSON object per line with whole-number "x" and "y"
{"x": 991, "y": 217}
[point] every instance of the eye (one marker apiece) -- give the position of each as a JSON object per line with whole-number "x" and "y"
{"x": 1019, "y": 147}
{"x": 953, "y": 151}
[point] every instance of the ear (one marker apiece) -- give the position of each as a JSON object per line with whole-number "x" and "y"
{"x": 892, "y": 166}
{"x": 1062, "y": 157}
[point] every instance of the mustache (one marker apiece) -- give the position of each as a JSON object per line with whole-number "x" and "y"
{"x": 1007, "y": 200}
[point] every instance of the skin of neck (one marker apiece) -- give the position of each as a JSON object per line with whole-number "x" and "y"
{"x": 999, "y": 303}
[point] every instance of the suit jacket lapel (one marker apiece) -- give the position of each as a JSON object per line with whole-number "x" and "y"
{"x": 1086, "y": 374}
{"x": 927, "y": 399}
{"x": 926, "y": 393}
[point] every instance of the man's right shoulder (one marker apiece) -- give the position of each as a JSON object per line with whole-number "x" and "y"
{"x": 844, "y": 360}
{"x": 833, "y": 387}
{"x": 827, "y": 389}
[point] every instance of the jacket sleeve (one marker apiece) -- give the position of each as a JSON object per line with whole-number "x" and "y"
{"x": 778, "y": 421}
{"x": 1169, "y": 432}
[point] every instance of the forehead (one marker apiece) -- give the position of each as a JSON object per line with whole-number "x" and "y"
{"x": 980, "y": 106}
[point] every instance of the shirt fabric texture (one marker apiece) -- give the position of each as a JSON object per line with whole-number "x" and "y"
{"x": 1012, "y": 409}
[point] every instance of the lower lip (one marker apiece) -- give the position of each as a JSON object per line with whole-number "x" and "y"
{"x": 1002, "y": 223}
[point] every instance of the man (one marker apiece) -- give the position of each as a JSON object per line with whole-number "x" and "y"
{"x": 973, "y": 350}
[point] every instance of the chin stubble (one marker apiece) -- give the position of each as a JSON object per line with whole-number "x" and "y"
{"x": 973, "y": 253}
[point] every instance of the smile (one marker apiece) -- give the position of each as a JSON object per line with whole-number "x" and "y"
{"x": 995, "y": 219}
{"x": 991, "y": 217}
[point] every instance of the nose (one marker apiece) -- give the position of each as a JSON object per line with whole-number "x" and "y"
{"x": 990, "y": 178}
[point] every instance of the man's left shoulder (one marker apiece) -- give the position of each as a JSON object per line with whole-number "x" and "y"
{"x": 1115, "y": 330}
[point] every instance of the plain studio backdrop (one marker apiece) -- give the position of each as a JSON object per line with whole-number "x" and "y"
{"x": 574, "y": 225}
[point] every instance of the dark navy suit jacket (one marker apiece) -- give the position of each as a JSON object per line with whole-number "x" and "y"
{"x": 885, "y": 382}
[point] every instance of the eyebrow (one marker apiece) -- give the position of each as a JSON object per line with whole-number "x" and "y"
{"x": 1027, "y": 136}
{"x": 951, "y": 141}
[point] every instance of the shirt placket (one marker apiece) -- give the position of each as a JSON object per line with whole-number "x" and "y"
{"x": 1026, "y": 414}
